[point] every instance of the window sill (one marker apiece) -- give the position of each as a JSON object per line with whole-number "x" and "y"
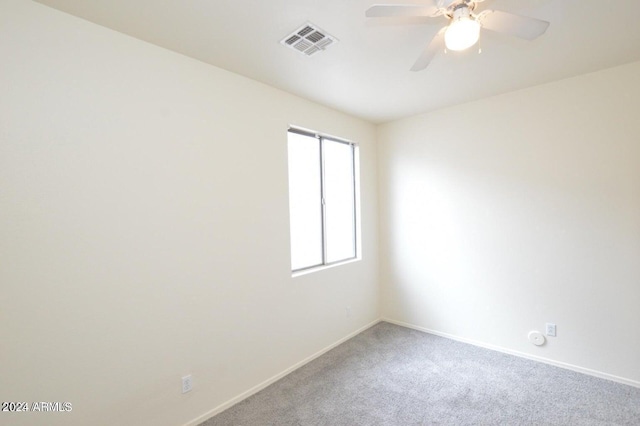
{"x": 323, "y": 267}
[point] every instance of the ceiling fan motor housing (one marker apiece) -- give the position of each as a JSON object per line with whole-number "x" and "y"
{"x": 457, "y": 7}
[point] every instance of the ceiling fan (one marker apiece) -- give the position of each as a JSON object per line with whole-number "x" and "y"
{"x": 463, "y": 29}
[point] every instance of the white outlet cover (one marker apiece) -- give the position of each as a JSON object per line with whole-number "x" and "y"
{"x": 536, "y": 338}
{"x": 551, "y": 329}
{"x": 187, "y": 384}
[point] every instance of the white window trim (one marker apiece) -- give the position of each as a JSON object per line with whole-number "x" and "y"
{"x": 356, "y": 194}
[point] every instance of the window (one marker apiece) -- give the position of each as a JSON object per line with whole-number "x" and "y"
{"x": 322, "y": 199}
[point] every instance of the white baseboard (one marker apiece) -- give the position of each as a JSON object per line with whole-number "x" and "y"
{"x": 244, "y": 395}
{"x": 560, "y": 364}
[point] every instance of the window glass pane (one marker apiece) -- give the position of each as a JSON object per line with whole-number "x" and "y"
{"x": 339, "y": 201}
{"x": 305, "y": 201}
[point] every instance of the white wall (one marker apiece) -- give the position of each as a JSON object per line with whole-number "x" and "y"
{"x": 144, "y": 228}
{"x": 503, "y": 214}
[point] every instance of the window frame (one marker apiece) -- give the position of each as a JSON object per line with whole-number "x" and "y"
{"x": 355, "y": 181}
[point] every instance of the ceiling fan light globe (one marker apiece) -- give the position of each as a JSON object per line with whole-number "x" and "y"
{"x": 462, "y": 33}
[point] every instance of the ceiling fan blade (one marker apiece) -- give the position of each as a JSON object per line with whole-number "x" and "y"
{"x": 515, "y": 25}
{"x": 395, "y": 10}
{"x": 436, "y": 45}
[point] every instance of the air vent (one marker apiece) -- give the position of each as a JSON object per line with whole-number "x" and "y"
{"x": 308, "y": 39}
{"x": 315, "y": 37}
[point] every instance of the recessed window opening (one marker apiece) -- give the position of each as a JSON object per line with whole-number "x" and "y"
{"x": 323, "y": 192}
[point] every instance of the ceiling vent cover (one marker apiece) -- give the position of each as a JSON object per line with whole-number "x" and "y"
{"x": 309, "y": 39}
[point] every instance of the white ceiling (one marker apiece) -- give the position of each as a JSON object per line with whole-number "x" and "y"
{"x": 367, "y": 73}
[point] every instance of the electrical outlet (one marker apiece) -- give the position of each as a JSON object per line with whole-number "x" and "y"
{"x": 347, "y": 311}
{"x": 551, "y": 329}
{"x": 187, "y": 384}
